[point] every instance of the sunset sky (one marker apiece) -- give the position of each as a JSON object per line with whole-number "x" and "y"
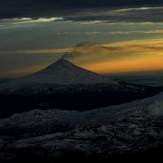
{"x": 119, "y": 40}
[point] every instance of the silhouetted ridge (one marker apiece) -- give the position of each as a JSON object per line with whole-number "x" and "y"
{"x": 65, "y": 72}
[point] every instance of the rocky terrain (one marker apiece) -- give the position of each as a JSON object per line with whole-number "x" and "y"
{"x": 130, "y": 128}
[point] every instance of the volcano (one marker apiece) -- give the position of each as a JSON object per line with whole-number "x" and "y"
{"x": 62, "y": 72}
{"x": 65, "y": 86}
{"x": 65, "y": 72}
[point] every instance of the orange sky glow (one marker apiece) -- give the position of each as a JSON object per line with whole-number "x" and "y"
{"x": 120, "y": 57}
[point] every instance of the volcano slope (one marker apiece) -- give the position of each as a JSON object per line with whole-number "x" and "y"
{"x": 65, "y": 86}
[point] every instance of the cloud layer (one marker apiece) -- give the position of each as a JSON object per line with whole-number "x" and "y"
{"x": 104, "y": 47}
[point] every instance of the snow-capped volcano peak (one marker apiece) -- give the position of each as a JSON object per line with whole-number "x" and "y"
{"x": 65, "y": 67}
{"x": 60, "y": 65}
{"x": 65, "y": 72}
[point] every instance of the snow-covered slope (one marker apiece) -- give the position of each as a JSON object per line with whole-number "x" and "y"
{"x": 153, "y": 106}
{"x": 128, "y": 128}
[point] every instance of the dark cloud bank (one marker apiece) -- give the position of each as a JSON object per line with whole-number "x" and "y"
{"x": 12, "y": 8}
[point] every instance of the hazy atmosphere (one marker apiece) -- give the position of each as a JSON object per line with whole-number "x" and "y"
{"x": 107, "y": 40}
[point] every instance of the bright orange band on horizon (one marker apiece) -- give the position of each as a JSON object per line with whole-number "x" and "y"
{"x": 150, "y": 64}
